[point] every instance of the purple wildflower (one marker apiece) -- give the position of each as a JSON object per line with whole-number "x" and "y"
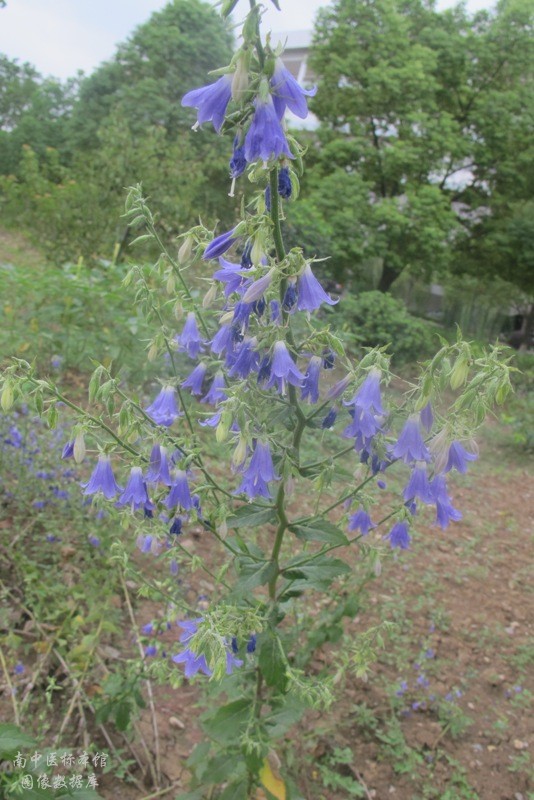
{"x": 195, "y": 379}
{"x": 190, "y": 341}
{"x": 176, "y": 527}
{"x": 265, "y": 138}
{"x": 191, "y": 661}
{"x": 68, "y": 450}
{"x": 135, "y": 493}
{"x": 246, "y": 360}
{"x": 158, "y": 470}
{"x": 211, "y": 101}
{"x": 329, "y": 420}
{"x": 329, "y": 358}
{"x": 19, "y": 668}
{"x": 410, "y": 446}
{"x": 232, "y": 275}
{"x": 361, "y": 521}
{"x": 256, "y": 290}
{"x": 222, "y": 340}
{"x": 275, "y": 311}
{"x": 283, "y": 369}
{"x": 368, "y": 395}
{"x": 445, "y": 511}
{"x": 251, "y": 644}
{"x": 427, "y": 417}
{"x": 147, "y": 629}
{"x": 310, "y": 387}
{"x": 288, "y": 93}
{"x": 403, "y": 688}
{"x": 310, "y": 292}
{"x": 289, "y": 299}
{"x": 399, "y": 536}
{"x": 102, "y": 480}
{"x": 238, "y": 162}
{"x": 216, "y": 391}
{"x": 258, "y": 473}
{"x": 338, "y": 388}
{"x": 179, "y": 494}
{"x": 164, "y": 409}
{"x": 458, "y": 458}
{"x": 151, "y": 650}
{"x": 232, "y": 662}
{"x": 418, "y": 485}
{"x": 218, "y": 246}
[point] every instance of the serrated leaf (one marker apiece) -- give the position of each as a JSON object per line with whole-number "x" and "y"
{"x": 12, "y": 739}
{"x": 252, "y": 574}
{"x": 316, "y": 573}
{"x": 271, "y": 662}
{"x": 246, "y": 517}
{"x": 226, "y": 724}
{"x": 319, "y": 530}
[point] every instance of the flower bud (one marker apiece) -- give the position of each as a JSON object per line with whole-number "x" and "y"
{"x": 222, "y": 529}
{"x": 210, "y": 296}
{"x": 240, "y": 78}
{"x": 78, "y": 450}
{"x": 240, "y": 453}
{"x": 7, "y": 397}
{"x": 184, "y": 253}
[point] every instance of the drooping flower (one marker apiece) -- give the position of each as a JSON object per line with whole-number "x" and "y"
{"x": 283, "y": 369}
{"x": 265, "y": 138}
{"x": 158, "y": 470}
{"x": 329, "y": 420}
{"x": 458, "y": 458}
{"x": 289, "y": 299}
{"x": 361, "y": 521}
{"x": 238, "y": 162}
{"x": 338, "y": 388}
{"x": 216, "y": 392}
{"x": 310, "y": 292}
{"x": 427, "y": 417}
{"x": 259, "y": 473}
{"x": 135, "y": 492}
{"x": 285, "y": 188}
{"x": 445, "y": 511}
{"x": 195, "y": 380}
{"x": 179, "y": 494}
{"x": 176, "y": 526}
{"x": 211, "y": 101}
{"x": 257, "y": 289}
{"x": 193, "y": 663}
{"x": 246, "y": 360}
{"x": 68, "y": 450}
{"x": 399, "y": 536}
{"x": 251, "y": 643}
{"x": 233, "y": 276}
{"x": 329, "y": 358}
{"x": 287, "y": 93}
{"x": 164, "y": 409}
{"x": 368, "y": 396}
{"x": 410, "y": 446}
{"x": 190, "y": 340}
{"x": 218, "y": 246}
{"x": 310, "y": 387}
{"x": 418, "y": 486}
{"x": 102, "y": 480}
{"x": 232, "y": 662}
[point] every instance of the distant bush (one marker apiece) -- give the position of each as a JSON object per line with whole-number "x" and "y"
{"x": 372, "y": 319}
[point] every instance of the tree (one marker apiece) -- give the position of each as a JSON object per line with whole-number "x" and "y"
{"x": 416, "y": 108}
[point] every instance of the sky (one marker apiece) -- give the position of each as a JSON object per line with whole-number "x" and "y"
{"x": 60, "y": 37}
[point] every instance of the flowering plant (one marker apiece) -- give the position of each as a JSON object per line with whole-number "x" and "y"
{"x": 269, "y": 389}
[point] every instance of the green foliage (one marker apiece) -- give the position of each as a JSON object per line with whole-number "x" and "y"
{"x": 374, "y": 319}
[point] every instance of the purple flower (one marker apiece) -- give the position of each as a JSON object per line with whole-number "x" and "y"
{"x": 256, "y": 290}
{"x": 238, "y": 162}
{"x": 310, "y": 387}
{"x": 418, "y": 485}
{"x": 258, "y": 473}
{"x": 94, "y": 541}
{"x": 195, "y": 379}
{"x": 399, "y": 536}
{"x": 403, "y": 688}
{"x": 310, "y": 292}
{"x": 265, "y": 138}
{"x": 68, "y": 450}
{"x": 329, "y": 358}
{"x": 251, "y": 644}
{"x": 444, "y": 508}
{"x": 232, "y": 662}
{"x": 329, "y": 420}
{"x": 19, "y": 668}
{"x": 164, "y": 409}
{"x": 135, "y": 493}
{"x": 158, "y": 470}
{"x": 147, "y": 629}
{"x": 289, "y": 299}
{"x": 361, "y": 521}
{"x": 245, "y": 361}
{"x": 285, "y": 187}
{"x": 216, "y": 391}
{"x": 338, "y": 388}
{"x": 173, "y": 567}
{"x": 176, "y": 527}
{"x": 211, "y": 101}
{"x": 427, "y": 417}
{"x": 363, "y": 428}
{"x": 151, "y": 650}
{"x": 191, "y": 661}
{"x": 283, "y": 369}
{"x": 218, "y": 246}
{"x": 410, "y": 446}
{"x": 458, "y": 458}
{"x": 368, "y": 395}
{"x": 232, "y": 275}
{"x": 288, "y": 93}
{"x": 190, "y": 341}
{"x": 222, "y": 340}
{"x": 102, "y": 480}
{"x": 179, "y": 494}
{"x": 275, "y": 311}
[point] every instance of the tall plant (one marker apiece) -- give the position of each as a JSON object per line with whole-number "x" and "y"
{"x": 285, "y": 508}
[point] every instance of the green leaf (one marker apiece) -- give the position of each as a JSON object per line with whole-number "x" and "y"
{"x": 316, "y": 573}
{"x": 236, "y": 791}
{"x": 224, "y": 766}
{"x": 247, "y": 517}
{"x": 122, "y": 715}
{"x": 271, "y": 662}
{"x": 252, "y": 574}
{"x": 227, "y": 722}
{"x": 13, "y": 739}
{"x": 319, "y": 530}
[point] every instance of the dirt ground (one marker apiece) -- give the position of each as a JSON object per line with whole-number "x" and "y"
{"x": 463, "y": 601}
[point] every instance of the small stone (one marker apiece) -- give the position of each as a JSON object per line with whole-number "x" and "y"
{"x": 519, "y": 745}
{"x": 174, "y": 722}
